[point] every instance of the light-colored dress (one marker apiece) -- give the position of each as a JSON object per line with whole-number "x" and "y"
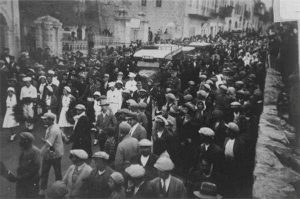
{"x": 114, "y": 98}
{"x": 63, "y": 122}
{"x": 9, "y": 118}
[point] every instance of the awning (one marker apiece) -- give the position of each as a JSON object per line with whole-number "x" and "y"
{"x": 199, "y": 44}
{"x": 187, "y": 48}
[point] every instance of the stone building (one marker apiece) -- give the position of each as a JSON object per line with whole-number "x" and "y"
{"x": 181, "y": 18}
{"x": 10, "y": 26}
{"x": 208, "y": 17}
{"x": 158, "y": 15}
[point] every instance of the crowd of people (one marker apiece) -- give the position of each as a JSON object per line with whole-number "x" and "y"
{"x": 190, "y": 132}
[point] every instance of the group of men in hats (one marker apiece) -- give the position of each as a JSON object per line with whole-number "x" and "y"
{"x": 197, "y": 121}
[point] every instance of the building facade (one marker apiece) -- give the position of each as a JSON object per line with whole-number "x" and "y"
{"x": 208, "y": 17}
{"x": 180, "y": 18}
{"x": 10, "y": 26}
{"x": 134, "y": 17}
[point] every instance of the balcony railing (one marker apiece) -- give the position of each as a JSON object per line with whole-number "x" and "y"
{"x": 82, "y": 45}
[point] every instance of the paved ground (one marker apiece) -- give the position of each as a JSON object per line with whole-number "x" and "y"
{"x": 9, "y": 153}
{"x": 275, "y": 173}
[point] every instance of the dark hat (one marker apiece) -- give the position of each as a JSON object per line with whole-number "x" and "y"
{"x": 217, "y": 114}
{"x": 142, "y": 91}
{"x": 132, "y": 115}
{"x": 207, "y": 190}
{"x": 123, "y": 110}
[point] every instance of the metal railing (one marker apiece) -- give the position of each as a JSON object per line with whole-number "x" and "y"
{"x": 82, "y": 45}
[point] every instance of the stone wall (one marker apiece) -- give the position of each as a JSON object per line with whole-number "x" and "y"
{"x": 276, "y": 170}
{"x": 9, "y": 10}
{"x": 170, "y": 12}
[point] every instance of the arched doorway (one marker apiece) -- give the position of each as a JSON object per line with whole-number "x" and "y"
{"x": 3, "y": 77}
{"x": 3, "y": 33}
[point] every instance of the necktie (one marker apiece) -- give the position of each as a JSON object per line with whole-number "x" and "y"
{"x": 75, "y": 175}
{"x": 164, "y": 186}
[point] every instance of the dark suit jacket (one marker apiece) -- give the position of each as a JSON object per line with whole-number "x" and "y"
{"x": 5, "y": 61}
{"x": 55, "y": 91}
{"x": 139, "y": 133}
{"x": 215, "y": 154}
{"x": 104, "y": 89}
{"x": 176, "y": 188}
{"x": 149, "y": 167}
{"x": 53, "y": 105}
{"x": 108, "y": 121}
{"x": 143, "y": 191}
{"x": 95, "y": 186}
{"x": 81, "y": 136}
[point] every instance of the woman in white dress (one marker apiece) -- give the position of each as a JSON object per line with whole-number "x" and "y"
{"x": 114, "y": 98}
{"x": 9, "y": 118}
{"x": 66, "y": 100}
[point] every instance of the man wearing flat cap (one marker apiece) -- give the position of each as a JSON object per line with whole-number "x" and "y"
{"x": 77, "y": 173}
{"x": 127, "y": 148}
{"x": 174, "y": 82}
{"x": 106, "y": 119}
{"x": 137, "y": 130}
{"x": 142, "y": 117}
{"x": 27, "y": 177}
{"x": 236, "y": 163}
{"x": 209, "y": 149}
{"x": 81, "y": 137}
{"x": 135, "y": 94}
{"x": 191, "y": 90}
{"x": 221, "y": 99}
{"x": 104, "y": 85}
{"x": 170, "y": 100}
{"x": 166, "y": 185}
{"x": 95, "y": 186}
{"x": 137, "y": 185}
{"x": 146, "y": 158}
{"x": 52, "y": 151}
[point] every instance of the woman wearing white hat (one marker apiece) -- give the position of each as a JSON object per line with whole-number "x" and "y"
{"x": 66, "y": 100}
{"x": 131, "y": 83}
{"x": 9, "y": 121}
